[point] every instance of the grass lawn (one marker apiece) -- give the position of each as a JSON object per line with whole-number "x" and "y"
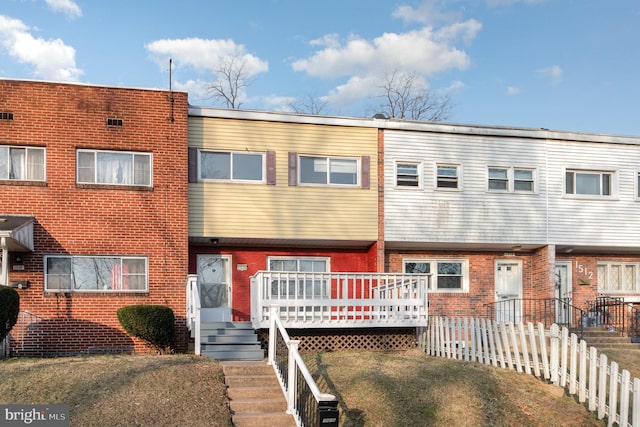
{"x": 374, "y": 389}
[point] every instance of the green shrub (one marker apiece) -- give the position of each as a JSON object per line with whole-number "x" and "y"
{"x": 152, "y": 323}
{"x": 9, "y": 309}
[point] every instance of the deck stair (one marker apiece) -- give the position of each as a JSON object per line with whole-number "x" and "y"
{"x": 255, "y": 396}
{"x": 230, "y": 341}
{"x": 603, "y": 339}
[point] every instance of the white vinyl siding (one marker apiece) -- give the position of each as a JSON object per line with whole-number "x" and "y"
{"x": 471, "y": 214}
{"x": 284, "y": 210}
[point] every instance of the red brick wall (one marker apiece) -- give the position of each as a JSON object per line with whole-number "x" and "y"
{"x": 98, "y": 220}
{"x": 481, "y": 280}
{"x": 363, "y": 260}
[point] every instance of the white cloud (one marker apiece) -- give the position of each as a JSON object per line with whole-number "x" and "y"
{"x": 51, "y": 59}
{"x": 68, "y": 7}
{"x": 553, "y": 74}
{"x": 425, "y": 52}
{"x": 511, "y": 2}
{"x": 513, "y": 90}
{"x": 278, "y": 103}
{"x": 428, "y": 12}
{"x": 203, "y": 55}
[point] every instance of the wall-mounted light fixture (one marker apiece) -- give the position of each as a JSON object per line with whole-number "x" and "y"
{"x": 213, "y": 241}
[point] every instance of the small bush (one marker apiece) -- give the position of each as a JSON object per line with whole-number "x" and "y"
{"x": 9, "y": 309}
{"x": 152, "y": 323}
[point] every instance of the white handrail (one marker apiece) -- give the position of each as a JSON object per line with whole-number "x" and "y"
{"x": 194, "y": 309}
{"x": 288, "y": 384}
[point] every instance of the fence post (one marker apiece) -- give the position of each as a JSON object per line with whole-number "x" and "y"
{"x": 291, "y": 376}
{"x": 271, "y": 354}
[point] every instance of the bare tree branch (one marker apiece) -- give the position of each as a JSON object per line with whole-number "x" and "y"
{"x": 404, "y": 98}
{"x": 231, "y": 80}
{"x": 309, "y": 104}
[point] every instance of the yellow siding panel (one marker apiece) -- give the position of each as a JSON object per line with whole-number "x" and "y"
{"x": 282, "y": 211}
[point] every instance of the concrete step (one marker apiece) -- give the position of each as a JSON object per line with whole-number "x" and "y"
{"x": 226, "y": 339}
{"x": 234, "y": 354}
{"x": 255, "y": 396}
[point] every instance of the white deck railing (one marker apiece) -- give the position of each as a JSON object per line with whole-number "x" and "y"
{"x": 304, "y": 399}
{"x": 554, "y": 355}
{"x": 194, "y": 309}
{"x": 330, "y": 300}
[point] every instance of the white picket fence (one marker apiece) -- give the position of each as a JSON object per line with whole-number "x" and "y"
{"x": 554, "y": 355}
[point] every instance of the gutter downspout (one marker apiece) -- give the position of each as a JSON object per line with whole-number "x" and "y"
{"x": 4, "y": 272}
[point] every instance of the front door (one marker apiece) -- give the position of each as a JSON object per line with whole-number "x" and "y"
{"x": 508, "y": 291}
{"x": 563, "y": 293}
{"x": 214, "y": 284}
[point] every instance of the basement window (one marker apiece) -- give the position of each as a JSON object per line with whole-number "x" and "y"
{"x": 5, "y": 115}
{"x": 115, "y": 122}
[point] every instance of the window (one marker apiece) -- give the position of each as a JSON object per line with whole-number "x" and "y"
{"x": 91, "y": 274}
{"x": 114, "y": 168}
{"x": 618, "y": 277}
{"x": 588, "y": 183}
{"x": 408, "y": 175}
{"x": 446, "y": 274}
{"x": 22, "y": 163}
{"x": 328, "y": 170}
{"x": 511, "y": 179}
{"x": 638, "y": 185}
{"x": 286, "y": 285}
{"x": 231, "y": 166}
{"x": 447, "y": 176}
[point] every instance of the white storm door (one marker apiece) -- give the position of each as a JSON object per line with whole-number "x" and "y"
{"x": 214, "y": 284}
{"x": 563, "y": 293}
{"x": 508, "y": 278}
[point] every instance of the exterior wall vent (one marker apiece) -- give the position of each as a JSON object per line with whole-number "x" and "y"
{"x": 4, "y": 115}
{"x": 115, "y": 122}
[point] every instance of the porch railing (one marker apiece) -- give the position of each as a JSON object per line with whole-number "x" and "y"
{"x": 539, "y": 310}
{"x": 308, "y": 405}
{"x": 333, "y": 300}
{"x": 194, "y": 308}
{"x": 610, "y": 312}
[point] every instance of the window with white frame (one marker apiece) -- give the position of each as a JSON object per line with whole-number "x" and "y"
{"x": 447, "y": 176}
{"x": 447, "y": 275}
{"x": 22, "y": 163}
{"x": 328, "y": 170}
{"x": 638, "y": 185}
{"x": 65, "y": 273}
{"x": 511, "y": 179}
{"x": 293, "y": 283}
{"x": 231, "y": 166}
{"x": 618, "y": 277}
{"x": 408, "y": 174}
{"x": 114, "y": 168}
{"x": 589, "y": 183}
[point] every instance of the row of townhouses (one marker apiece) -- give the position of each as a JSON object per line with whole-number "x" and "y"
{"x": 116, "y": 196}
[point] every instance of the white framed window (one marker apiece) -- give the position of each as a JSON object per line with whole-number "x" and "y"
{"x": 637, "y": 185}
{"x": 589, "y": 183}
{"x": 294, "y": 286}
{"x": 511, "y": 179}
{"x": 328, "y": 170}
{"x": 114, "y": 168}
{"x": 22, "y": 163}
{"x": 408, "y": 174}
{"x": 65, "y": 273}
{"x": 448, "y": 177}
{"x": 618, "y": 277}
{"x": 447, "y": 275}
{"x": 231, "y": 166}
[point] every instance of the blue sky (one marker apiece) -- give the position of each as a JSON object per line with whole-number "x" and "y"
{"x": 557, "y": 64}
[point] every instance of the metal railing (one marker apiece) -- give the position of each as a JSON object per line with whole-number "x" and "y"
{"x": 609, "y": 312}
{"x": 538, "y": 310}
{"x": 308, "y": 405}
{"x": 330, "y": 300}
{"x": 194, "y": 309}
